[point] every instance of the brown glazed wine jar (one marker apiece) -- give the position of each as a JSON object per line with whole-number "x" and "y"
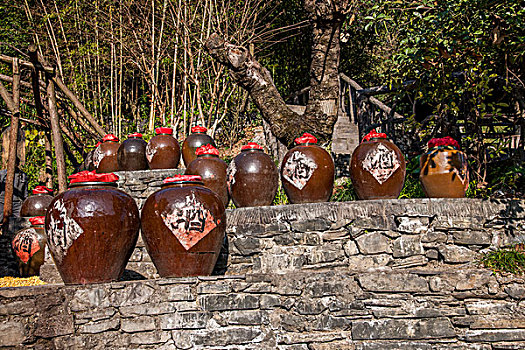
{"x": 197, "y": 139}
{"x": 183, "y": 227}
{"x": 92, "y": 229}
{"x": 212, "y": 170}
{"x": 163, "y": 150}
{"x": 252, "y": 177}
{"x": 307, "y": 172}
{"x": 29, "y": 246}
{"x": 131, "y": 154}
{"x": 36, "y": 205}
{"x": 444, "y": 169}
{"x": 105, "y": 155}
{"x": 377, "y": 168}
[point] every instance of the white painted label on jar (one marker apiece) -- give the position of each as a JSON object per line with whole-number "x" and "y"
{"x": 230, "y": 174}
{"x": 381, "y": 162}
{"x": 97, "y": 156}
{"x": 26, "y": 244}
{"x": 189, "y": 221}
{"x": 62, "y": 231}
{"x": 299, "y": 169}
{"x": 150, "y": 152}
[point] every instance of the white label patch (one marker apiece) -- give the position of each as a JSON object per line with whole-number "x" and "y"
{"x": 230, "y": 174}
{"x": 150, "y": 152}
{"x": 97, "y": 156}
{"x": 381, "y": 162}
{"x": 299, "y": 169}
{"x": 189, "y": 222}
{"x": 62, "y": 231}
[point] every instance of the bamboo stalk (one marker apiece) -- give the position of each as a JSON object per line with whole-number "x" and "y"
{"x": 57, "y": 136}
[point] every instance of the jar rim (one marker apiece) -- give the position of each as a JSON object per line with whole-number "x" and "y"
{"x": 92, "y": 183}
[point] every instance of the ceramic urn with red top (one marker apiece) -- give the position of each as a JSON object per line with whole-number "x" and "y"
{"x": 36, "y": 205}
{"x": 92, "y": 229}
{"x": 253, "y": 177}
{"x": 105, "y": 155}
{"x": 196, "y": 139}
{"x": 183, "y": 227}
{"x": 29, "y": 246}
{"x": 212, "y": 170}
{"x": 444, "y": 169}
{"x": 307, "y": 172}
{"x": 377, "y": 168}
{"x": 131, "y": 154}
{"x": 163, "y": 150}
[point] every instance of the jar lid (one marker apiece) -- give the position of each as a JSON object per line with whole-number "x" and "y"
{"x": 92, "y": 176}
{"x": 37, "y": 220}
{"x": 251, "y": 145}
{"x": 98, "y": 144}
{"x": 41, "y": 190}
{"x": 164, "y": 130}
{"x": 199, "y": 129}
{"x": 110, "y": 137}
{"x": 374, "y": 135}
{"x": 306, "y": 138}
{"x": 445, "y": 141}
{"x": 207, "y": 149}
{"x": 135, "y": 134}
{"x": 182, "y": 178}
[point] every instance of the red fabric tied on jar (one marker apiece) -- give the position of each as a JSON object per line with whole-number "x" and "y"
{"x": 37, "y": 220}
{"x": 207, "y": 149}
{"x": 135, "y": 134}
{"x": 163, "y": 130}
{"x": 110, "y": 137}
{"x": 251, "y": 145}
{"x": 42, "y": 190}
{"x": 445, "y": 141}
{"x": 181, "y": 178}
{"x": 92, "y": 176}
{"x": 374, "y": 135}
{"x": 306, "y": 138}
{"x": 198, "y": 129}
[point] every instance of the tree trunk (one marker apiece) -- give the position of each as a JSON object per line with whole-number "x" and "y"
{"x": 321, "y": 112}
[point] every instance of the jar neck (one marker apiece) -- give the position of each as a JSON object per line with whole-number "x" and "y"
{"x": 92, "y": 184}
{"x": 307, "y": 144}
{"x": 251, "y": 150}
{"x": 207, "y": 156}
{"x": 437, "y": 148}
{"x": 182, "y": 184}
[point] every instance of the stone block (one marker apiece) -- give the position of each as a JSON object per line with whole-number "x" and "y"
{"x": 495, "y": 335}
{"x": 269, "y": 301}
{"x": 182, "y": 292}
{"x": 100, "y": 326}
{"x": 219, "y": 302}
{"x": 184, "y": 320}
{"x": 406, "y": 246}
{"x": 350, "y": 248}
{"x": 150, "y": 338}
{"x": 515, "y": 291}
{"x": 403, "y": 329}
{"x": 12, "y": 333}
{"x": 457, "y": 254}
{"x": 471, "y": 237}
{"x": 227, "y": 337}
{"x": 413, "y": 225}
{"x": 373, "y": 243}
{"x": 364, "y": 262}
{"x": 392, "y": 282}
{"x": 137, "y": 324}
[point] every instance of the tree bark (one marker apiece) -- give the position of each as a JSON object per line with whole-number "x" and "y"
{"x": 322, "y": 109}
{"x": 13, "y": 103}
{"x": 57, "y": 136}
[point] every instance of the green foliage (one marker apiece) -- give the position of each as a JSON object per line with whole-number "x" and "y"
{"x": 344, "y": 192}
{"x": 280, "y": 198}
{"x": 507, "y": 259}
{"x": 412, "y": 187}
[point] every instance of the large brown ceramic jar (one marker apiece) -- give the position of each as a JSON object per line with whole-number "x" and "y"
{"x": 92, "y": 229}
{"x": 444, "y": 170}
{"x": 163, "y": 151}
{"x": 197, "y": 139}
{"x": 183, "y": 227}
{"x": 36, "y": 205}
{"x": 252, "y": 177}
{"x": 377, "y": 168}
{"x": 212, "y": 170}
{"x": 307, "y": 172}
{"x": 29, "y": 246}
{"x": 105, "y": 155}
{"x": 131, "y": 154}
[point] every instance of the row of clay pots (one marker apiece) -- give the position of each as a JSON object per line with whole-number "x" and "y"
{"x": 161, "y": 152}
{"x": 92, "y": 228}
{"x": 378, "y": 167}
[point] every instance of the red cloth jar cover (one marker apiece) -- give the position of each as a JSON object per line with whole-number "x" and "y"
{"x": 445, "y": 141}
{"x": 251, "y": 145}
{"x": 180, "y": 178}
{"x": 306, "y": 138}
{"x": 199, "y": 129}
{"x": 91, "y": 176}
{"x": 135, "y": 134}
{"x": 37, "y": 220}
{"x": 42, "y": 190}
{"x": 110, "y": 137}
{"x": 163, "y": 130}
{"x": 207, "y": 149}
{"x": 374, "y": 135}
